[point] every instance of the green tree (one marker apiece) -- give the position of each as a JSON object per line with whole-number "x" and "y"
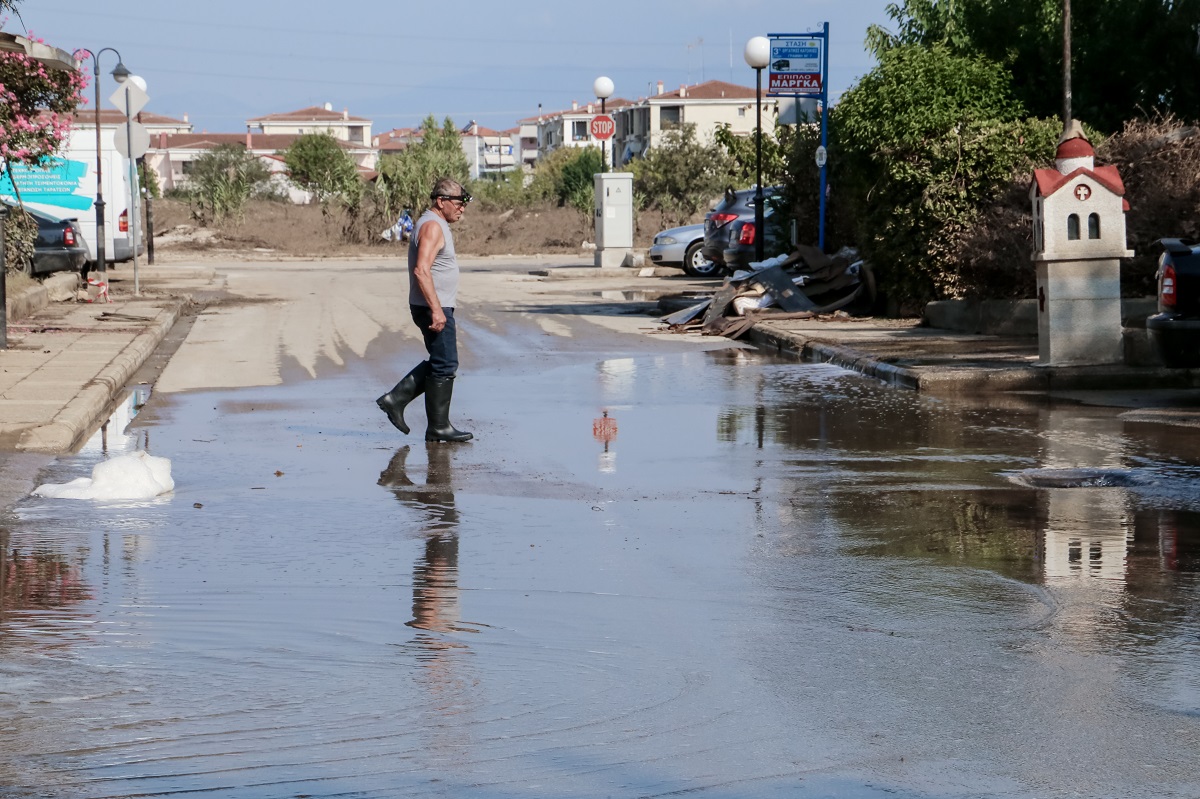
{"x": 20, "y": 232}
{"x": 546, "y": 183}
{"x": 223, "y": 179}
{"x": 148, "y": 179}
{"x": 925, "y": 140}
{"x": 578, "y": 185}
{"x": 405, "y": 178}
{"x": 318, "y": 164}
{"x": 680, "y": 176}
{"x": 744, "y": 151}
{"x": 1130, "y": 58}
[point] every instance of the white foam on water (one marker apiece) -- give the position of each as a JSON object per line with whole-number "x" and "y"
{"x": 137, "y": 475}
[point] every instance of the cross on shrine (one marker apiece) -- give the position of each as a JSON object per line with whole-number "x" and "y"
{"x": 1083, "y": 191}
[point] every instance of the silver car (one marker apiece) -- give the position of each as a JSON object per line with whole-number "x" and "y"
{"x": 680, "y": 246}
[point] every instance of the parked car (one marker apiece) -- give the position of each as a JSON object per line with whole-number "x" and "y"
{"x": 1175, "y": 329}
{"x": 59, "y": 246}
{"x": 725, "y": 228}
{"x": 681, "y": 246}
{"x": 741, "y": 249}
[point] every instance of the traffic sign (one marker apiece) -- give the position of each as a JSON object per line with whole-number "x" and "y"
{"x": 136, "y": 143}
{"x": 133, "y": 95}
{"x": 603, "y": 127}
{"x": 797, "y": 64}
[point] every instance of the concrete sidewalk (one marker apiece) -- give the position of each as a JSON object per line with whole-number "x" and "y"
{"x": 68, "y": 362}
{"x": 946, "y": 363}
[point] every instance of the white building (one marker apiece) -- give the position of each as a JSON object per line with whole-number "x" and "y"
{"x": 707, "y": 106}
{"x": 356, "y": 131}
{"x": 572, "y": 128}
{"x": 171, "y": 156}
{"x": 489, "y": 152}
{"x": 527, "y": 142}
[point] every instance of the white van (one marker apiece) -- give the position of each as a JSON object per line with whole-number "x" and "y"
{"x": 65, "y": 187}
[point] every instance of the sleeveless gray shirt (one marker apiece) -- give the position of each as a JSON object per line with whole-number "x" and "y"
{"x": 445, "y": 265}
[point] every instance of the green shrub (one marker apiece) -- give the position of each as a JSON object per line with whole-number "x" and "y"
{"x": 20, "y": 232}
{"x": 318, "y": 164}
{"x": 680, "y": 176}
{"x": 223, "y": 179}
{"x": 925, "y": 142}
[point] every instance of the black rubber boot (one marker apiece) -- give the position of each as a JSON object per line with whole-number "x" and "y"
{"x": 407, "y": 390}
{"x": 438, "y": 391}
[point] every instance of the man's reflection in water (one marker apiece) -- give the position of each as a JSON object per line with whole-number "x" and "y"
{"x": 435, "y": 576}
{"x": 450, "y": 686}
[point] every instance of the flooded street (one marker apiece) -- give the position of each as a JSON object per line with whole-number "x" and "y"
{"x": 751, "y": 578}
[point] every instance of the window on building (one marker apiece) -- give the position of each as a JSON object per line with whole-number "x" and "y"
{"x": 1073, "y": 227}
{"x": 670, "y": 117}
{"x": 1094, "y": 226}
{"x": 579, "y": 130}
{"x": 187, "y": 167}
{"x": 741, "y": 112}
{"x": 358, "y": 133}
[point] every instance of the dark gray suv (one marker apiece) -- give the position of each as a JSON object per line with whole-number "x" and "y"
{"x": 1175, "y": 329}
{"x": 729, "y": 230}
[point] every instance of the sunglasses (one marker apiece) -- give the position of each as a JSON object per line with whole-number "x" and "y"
{"x": 461, "y": 199}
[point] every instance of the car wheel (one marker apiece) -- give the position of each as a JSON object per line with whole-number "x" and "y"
{"x": 696, "y": 265}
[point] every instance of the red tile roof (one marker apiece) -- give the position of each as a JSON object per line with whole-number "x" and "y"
{"x": 610, "y": 104}
{"x": 482, "y": 131}
{"x": 709, "y": 90}
{"x": 87, "y": 116}
{"x": 314, "y": 113}
{"x": 108, "y": 116}
{"x": 151, "y": 118}
{"x": 1049, "y": 181}
{"x": 206, "y": 141}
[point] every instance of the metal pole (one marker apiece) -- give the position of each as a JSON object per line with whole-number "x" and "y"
{"x": 149, "y": 224}
{"x": 603, "y": 144}
{"x": 133, "y": 190}
{"x": 101, "y": 262}
{"x": 758, "y": 193}
{"x": 1066, "y": 64}
{"x": 824, "y": 136}
{"x": 3, "y": 282}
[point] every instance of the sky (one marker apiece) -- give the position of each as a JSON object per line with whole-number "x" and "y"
{"x": 222, "y": 62}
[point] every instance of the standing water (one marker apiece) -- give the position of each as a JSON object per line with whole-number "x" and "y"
{"x": 710, "y": 574}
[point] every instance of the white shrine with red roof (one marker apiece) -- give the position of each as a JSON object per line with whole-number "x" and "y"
{"x": 1078, "y": 243}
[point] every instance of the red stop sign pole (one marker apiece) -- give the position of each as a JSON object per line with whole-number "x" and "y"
{"x": 602, "y": 128}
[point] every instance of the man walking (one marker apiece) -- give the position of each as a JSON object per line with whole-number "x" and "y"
{"x": 432, "y": 293}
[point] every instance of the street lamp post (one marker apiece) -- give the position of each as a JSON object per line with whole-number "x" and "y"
{"x": 3, "y": 282}
{"x": 120, "y": 74}
{"x": 603, "y": 87}
{"x": 758, "y": 55}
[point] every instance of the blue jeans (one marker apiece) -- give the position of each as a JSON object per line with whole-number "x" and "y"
{"x": 442, "y": 346}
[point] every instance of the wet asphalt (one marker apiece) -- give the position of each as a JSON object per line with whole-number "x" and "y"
{"x": 657, "y": 571}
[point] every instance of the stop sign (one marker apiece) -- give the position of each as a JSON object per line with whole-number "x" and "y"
{"x": 603, "y": 127}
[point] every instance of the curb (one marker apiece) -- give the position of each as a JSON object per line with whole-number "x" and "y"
{"x": 35, "y": 298}
{"x": 29, "y": 301}
{"x": 817, "y": 351}
{"x": 88, "y": 409}
{"x": 945, "y": 381}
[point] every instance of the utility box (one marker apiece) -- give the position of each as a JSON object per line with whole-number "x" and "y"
{"x": 614, "y": 218}
{"x": 1078, "y": 243}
